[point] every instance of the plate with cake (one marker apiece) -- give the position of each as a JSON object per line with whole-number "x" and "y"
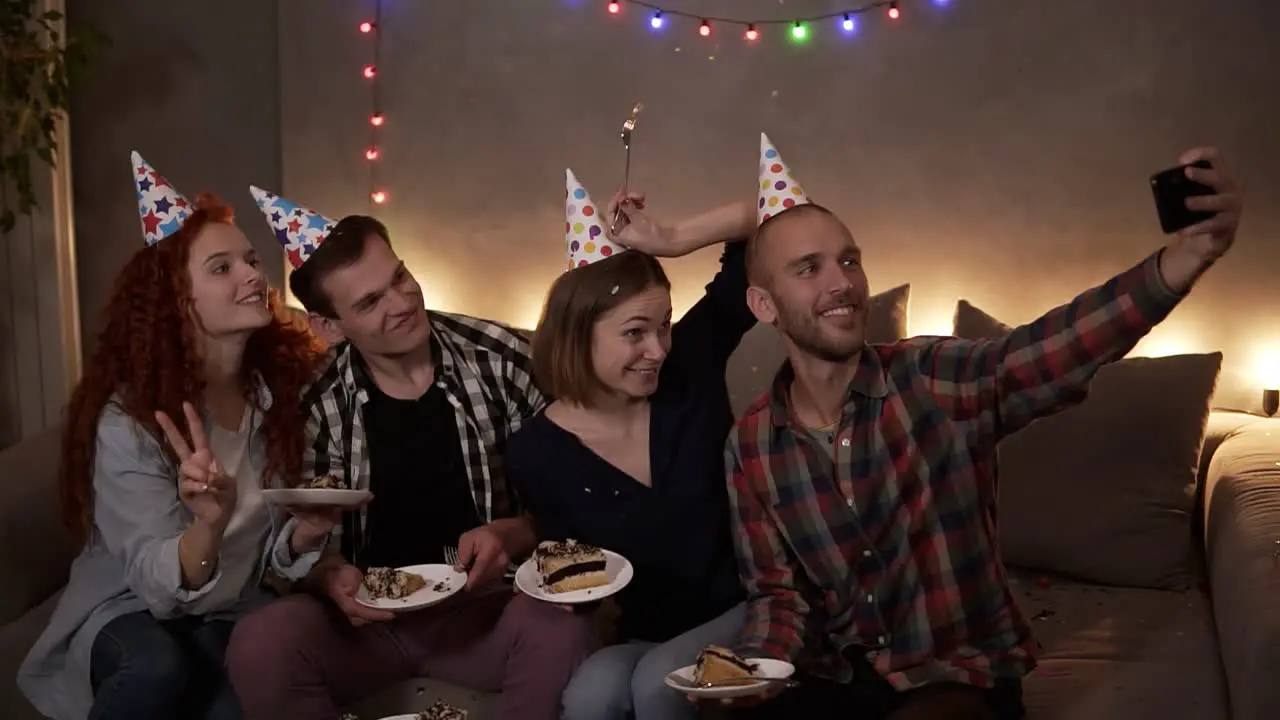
{"x": 325, "y": 490}
{"x": 439, "y": 710}
{"x": 570, "y": 572}
{"x": 721, "y": 673}
{"x": 409, "y": 588}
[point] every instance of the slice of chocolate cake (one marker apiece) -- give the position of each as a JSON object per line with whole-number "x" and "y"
{"x": 441, "y": 710}
{"x": 327, "y": 482}
{"x": 389, "y": 584}
{"x": 570, "y": 565}
{"x": 717, "y": 664}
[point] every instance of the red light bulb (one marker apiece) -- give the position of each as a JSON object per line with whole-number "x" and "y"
{"x": 366, "y": 27}
{"x": 378, "y": 196}
{"x": 614, "y": 7}
{"x": 751, "y": 33}
{"x": 371, "y": 154}
{"x": 893, "y": 11}
{"x": 370, "y": 71}
{"x": 376, "y": 119}
{"x": 704, "y": 29}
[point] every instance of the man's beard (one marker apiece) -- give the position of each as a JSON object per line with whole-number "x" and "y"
{"x": 801, "y": 326}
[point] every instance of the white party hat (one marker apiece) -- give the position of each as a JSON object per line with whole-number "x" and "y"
{"x": 162, "y": 208}
{"x": 585, "y": 236}
{"x": 778, "y": 189}
{"x": 298, "y": 229}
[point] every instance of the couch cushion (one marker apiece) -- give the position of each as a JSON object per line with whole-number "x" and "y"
{"x": 16, "y": 639}
{"x": 753, "y": 365}
{"x": 1104, "y": 491}
{"x": 1121, "y": 653}
{"x": 35, "y": 549}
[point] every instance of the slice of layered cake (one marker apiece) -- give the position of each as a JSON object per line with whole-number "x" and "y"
{"x": 327, "y": 482}
{"x": 389, "y": 584}
{"x": 716, "y": 664}
{"x": 570, "y": 565}
{"x": 441, "y": 710}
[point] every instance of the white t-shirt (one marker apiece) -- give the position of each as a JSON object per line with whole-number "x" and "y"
{"x": 250, "y": 525}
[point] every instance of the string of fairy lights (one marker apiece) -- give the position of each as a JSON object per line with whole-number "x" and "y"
{"x": 798, "y": 28}
{"x": 373, "y": 153}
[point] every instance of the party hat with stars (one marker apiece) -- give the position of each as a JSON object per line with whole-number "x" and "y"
{"x": 162, "y": 208}
{"x": 298, "y": 229}
{"x": 584, "y": 228}
{"x": 778, "y": 190}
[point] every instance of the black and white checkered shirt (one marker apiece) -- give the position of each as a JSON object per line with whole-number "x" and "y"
{"x": 484, "y": 369}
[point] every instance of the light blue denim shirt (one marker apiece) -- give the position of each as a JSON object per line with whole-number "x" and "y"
{"x": 131, "y": 561}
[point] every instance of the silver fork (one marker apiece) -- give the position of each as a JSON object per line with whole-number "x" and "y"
{"x": 628, "y": 127}
{"x": 451, "y": 558}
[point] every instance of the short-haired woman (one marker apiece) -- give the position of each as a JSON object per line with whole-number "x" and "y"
{"x": 630, "y": 455}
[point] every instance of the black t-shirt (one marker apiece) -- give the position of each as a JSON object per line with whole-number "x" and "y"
{"x": 422, "y": 499}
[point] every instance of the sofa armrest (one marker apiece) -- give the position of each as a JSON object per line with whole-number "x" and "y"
{"x": 1242, "y": 549}
{"x": 35, "y": 549}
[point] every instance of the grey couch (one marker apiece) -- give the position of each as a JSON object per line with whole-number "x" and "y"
{"x": 1206, "y": 651}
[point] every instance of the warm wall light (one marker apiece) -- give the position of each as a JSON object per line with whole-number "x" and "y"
{"x": 1266, "y": 365}
{"x": 931, "y": 321}
{"x": 1163, "y": 343}
{"x": 527, "y": 315}
{"x": 435, "y": 294}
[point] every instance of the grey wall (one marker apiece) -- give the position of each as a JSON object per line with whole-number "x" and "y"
{"x": 995, "y": 150}
{"x": 191, "y": 86}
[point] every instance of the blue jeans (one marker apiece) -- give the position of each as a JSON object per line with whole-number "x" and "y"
{"x": 147, "y": 669}
{"x": 622, "y": 681}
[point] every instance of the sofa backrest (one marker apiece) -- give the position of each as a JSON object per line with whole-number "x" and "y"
{"x": 35, "y": 549}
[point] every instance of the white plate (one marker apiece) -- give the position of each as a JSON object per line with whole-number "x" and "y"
{"x": 313, "y": 497}
{"x": 765, "y": 668}
{"x": 616, "y": 567}
{"x": 427, "y": 596}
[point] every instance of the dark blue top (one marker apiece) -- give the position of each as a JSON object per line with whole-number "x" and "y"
{"x": 676, "y": 533}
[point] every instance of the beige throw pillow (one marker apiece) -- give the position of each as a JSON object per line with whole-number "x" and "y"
{"x": 1104, "y": 491}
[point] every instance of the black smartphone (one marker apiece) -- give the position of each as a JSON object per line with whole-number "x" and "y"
{"x": 1171, "y": 189}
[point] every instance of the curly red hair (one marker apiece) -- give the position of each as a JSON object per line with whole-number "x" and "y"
{"x": 146, "y": 358}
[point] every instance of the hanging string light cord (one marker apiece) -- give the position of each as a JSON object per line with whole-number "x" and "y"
{"x": 799, "y": 25}
{"x": 860, "y": 10}
{"x": 373, "y": 153}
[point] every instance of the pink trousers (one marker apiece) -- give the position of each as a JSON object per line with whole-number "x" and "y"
{"x": 300, "y": 658}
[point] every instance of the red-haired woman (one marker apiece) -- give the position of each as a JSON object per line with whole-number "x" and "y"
{"x": 177, "y": 534}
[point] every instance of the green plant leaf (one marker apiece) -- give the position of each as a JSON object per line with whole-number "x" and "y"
{"x": 39, "y": 63}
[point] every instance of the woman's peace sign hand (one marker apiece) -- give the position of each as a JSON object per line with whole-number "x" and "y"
{"x": 203, "y": 486}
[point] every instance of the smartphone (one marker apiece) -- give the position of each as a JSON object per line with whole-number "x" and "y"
{"x": 1171, "y": 189}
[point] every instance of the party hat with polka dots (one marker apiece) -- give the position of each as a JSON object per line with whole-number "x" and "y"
{"x": 584, "y": 228}
{"x": 162, "y": 208}
{"x": 298, "y": 229}
{"x": 778, "y": 190}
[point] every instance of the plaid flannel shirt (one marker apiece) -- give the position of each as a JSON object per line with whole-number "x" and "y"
{"x": 485, "y": 371}
{"x": 892, "y": 551}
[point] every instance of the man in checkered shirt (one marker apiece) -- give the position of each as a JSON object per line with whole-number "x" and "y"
{"x": 863, "y": 483}
{"x": 417, "y": 407}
